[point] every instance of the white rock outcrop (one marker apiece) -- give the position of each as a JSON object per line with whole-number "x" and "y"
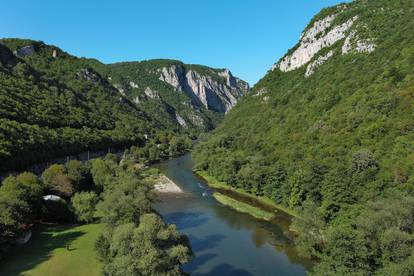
{"x": 205, "y": 89}
{"x": 151, "y": 93}
{"x": 354, "y": 43}
{"x": 133, "y": 84}
{"x": 180, "y": 120}
{"x": 120, "y": 88}
{"x": 314, "y": 40}
{"x": 319, "y": 61}
{"x": 173, "y": 75}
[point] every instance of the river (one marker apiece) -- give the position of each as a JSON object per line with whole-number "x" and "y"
{"x": 224, "y": 241}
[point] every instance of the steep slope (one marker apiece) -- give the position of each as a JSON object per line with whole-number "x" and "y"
{"x": 52, "y": 103}
{"x": 191, "y": 95}
{"x": 331, "y": 123}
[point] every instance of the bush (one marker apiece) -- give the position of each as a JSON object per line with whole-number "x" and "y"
{"x": 84, "y": 204}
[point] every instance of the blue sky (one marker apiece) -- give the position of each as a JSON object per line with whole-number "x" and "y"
{"x": 246, "y": 36}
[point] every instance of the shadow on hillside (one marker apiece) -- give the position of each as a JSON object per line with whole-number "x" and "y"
{"x": 45, "y": 239}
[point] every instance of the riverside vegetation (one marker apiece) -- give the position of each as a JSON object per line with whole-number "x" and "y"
{"x": 131, "y": 239}
{"x": 335, "y": 144}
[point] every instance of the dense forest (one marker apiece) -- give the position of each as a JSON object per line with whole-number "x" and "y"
{"x": 336, "y": 144}
{"x": 116, "y": 192}
{"x": 53, "y": 104}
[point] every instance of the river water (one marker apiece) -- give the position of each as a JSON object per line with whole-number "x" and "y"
{"x": 224, "y": 241}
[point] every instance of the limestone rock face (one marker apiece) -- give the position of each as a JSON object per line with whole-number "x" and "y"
{"x": 313, "y": 41}
{"x": 120, "y": 88}
{"x": 319, "y": 61}
{"x": 151, "y": 93}
{"x": 180, "y": 120}
{"x": 216, "y": 91}
{"x": 354, "y": 43}
{"x": 133, "y": 84}
{"x": 324, "y": 34}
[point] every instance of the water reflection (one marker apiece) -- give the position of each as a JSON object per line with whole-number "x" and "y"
{"x": 224, "y": 241}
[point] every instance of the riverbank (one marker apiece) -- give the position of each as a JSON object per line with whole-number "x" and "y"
{"x": 215, "y": 184}
{"x": 164, "y": 185}
{"x": 243, "y": 207}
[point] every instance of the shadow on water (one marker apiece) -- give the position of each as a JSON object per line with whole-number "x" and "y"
{"x": 209, "y": 242}
{"x": 225, "y": 270}
{"x": 185, "y": 220}
{"x": 39, "y": 249}
{"x": 198, "y": 261}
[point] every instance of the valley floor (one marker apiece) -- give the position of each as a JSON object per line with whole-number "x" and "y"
{"x": 56, "y": 250}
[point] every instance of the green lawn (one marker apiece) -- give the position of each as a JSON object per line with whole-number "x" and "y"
{"x": 243, "y": 207}
{"x": 214, "y": 183}
{"x": 56, "y": 250}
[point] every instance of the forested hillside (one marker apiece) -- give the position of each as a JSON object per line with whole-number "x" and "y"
{"x": 53, "y": 103}
{"x": 330, "y": 130}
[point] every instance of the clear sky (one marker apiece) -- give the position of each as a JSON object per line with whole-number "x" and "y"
{"x": 246, "y": 36}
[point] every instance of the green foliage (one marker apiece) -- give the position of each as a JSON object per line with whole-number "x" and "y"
{"x": 152, "y": 248}
{"x": 20, "y": 199}
{"x": 84, "y": 204}
{"x": 332, "y": 142}
{"x": 57, "y": 181}
{"x": 126, "y": 200}
{"x": 370, "y": 239}
{"x": 243, "y": 207}
{"x": 136, "y": 241}
{"x": 51, "y": 107}
{"x": 79, "y": 174}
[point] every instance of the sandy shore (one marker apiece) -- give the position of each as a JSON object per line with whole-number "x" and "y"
{"x": 167, "y": 186}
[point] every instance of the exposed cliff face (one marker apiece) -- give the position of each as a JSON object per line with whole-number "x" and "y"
{"x": 324, "y": 34}
{"x": 217, "y": 91}
{"x": 177, "y": 94}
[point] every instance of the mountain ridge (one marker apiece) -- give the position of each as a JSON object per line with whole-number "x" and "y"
{"x": 53, "y": 103}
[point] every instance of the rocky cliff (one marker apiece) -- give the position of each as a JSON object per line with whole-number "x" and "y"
{"x": 190, "y": 96}
{"x": 217, "y": 90}
{"x": 314, "y": 47}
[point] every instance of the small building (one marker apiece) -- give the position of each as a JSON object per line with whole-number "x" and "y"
{"x": 51, "y": 198}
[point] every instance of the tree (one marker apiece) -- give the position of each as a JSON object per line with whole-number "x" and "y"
{"x": 19, "y": 204}
{"x": 79, "y": 173}
{"x": 152, "y": 248}
{"x": 84, "y": 204}
{"x": 103, "y": 172}
{"x": 126, "y": 200}
{"x": 56, "y": 180}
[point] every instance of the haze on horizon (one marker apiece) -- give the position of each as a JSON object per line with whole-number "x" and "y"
{"x": 245, "y": 36}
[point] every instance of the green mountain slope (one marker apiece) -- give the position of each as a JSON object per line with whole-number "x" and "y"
{"x": 53, "y": 103}
{"x": 332, "y": 123}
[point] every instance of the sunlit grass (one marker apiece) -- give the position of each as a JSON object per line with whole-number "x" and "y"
{"x": 56, "y": 250}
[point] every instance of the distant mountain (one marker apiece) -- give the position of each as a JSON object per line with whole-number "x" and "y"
{"x": 332, "y": 123}
{"x": 53, "y": 103}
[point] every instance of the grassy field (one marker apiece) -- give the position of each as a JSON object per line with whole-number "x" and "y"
{"x": 214, "y": 183}
{"x": 243, "y": 207}
{"x": 56, "y": 250}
